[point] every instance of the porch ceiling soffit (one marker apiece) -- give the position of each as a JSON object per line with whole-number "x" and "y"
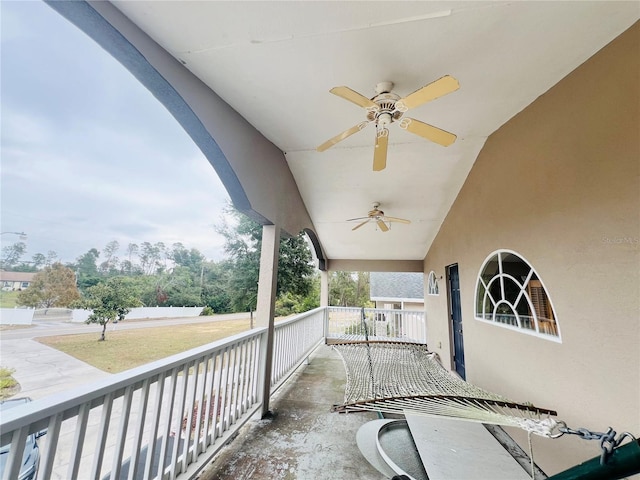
{"x": 347, "y": 265}
{"x": 274, "y": 62}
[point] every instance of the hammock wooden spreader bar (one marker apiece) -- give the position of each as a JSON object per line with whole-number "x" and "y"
{"x": 395, "y": 378}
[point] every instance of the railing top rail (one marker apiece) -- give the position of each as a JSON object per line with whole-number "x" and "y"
{"x": 299, "y": 316}
{"x": 43, "y": 408}
{"x": 371, "y": 309}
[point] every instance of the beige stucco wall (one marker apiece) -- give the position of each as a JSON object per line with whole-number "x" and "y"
{"x": 559, "y": 184}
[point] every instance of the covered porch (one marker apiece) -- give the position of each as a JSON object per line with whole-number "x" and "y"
{"x": 168, "y": 419}
{"x": 543, "y": 167}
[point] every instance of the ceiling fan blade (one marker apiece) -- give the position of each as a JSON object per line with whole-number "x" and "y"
{"x": 361, "y": 224}
{"x": 354, "y": 97}
{"x": 427, "y": 131}
{"x": 357, "y": 218}
{"x": 383, "y": 226}
{"x": 338, "y": 138}
{"x": 399, "y": 220}
{"x": 439, "y": 88}
{"x": 380, "y": 152}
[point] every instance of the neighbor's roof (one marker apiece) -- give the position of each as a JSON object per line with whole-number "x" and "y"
{"x": 16, "y": 276}
{"x": 396, "y": 285}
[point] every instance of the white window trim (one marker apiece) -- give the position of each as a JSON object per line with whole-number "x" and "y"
{"x": 501, "y": 277}
{"x": 433, "y": 280}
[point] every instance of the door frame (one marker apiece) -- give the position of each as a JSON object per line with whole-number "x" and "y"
{"x": 452, "y": 342}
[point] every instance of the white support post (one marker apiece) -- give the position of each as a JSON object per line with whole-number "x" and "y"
{"x": 324, "y": 288}
{"x": 324, "y": 298}
{"x": 266, "y": 304}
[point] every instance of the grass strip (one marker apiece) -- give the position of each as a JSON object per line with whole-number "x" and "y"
{"x": 126, "y": 349}
{"x": 8, "y": 384}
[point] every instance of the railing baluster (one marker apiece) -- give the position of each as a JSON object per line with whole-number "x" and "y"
{"x": 167, "y": 428}
{"x": 122, "y": 433}
{"x": 193, "y": 379}
{"x": 228, "y": 419}
{"x": 209, "y": 394}
{"x": 217, "y": 379}
{"x": 236, "y": 382}
{"x": 242, "y": 404}
{"x": 14, "y": 462}
{"x": 153, "y": 432}
{"x": 255, "y": 355}
{"x": 200, "y": 406}
{"x": 181, "y": 402}
{"x": 101, "y": 441}
{"x": 51, "y": 444}
{"x": 137, "y": 441}
{"x": 78, "y": 442}
{"x": 224, "y": 402}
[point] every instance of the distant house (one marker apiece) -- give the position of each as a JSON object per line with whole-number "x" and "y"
{"x": 15, "y": 281}
{"x": 399, "y": 291}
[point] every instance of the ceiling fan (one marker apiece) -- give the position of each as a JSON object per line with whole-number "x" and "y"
{"x": 387, "y": 107}
{"x": 379, "y": 217}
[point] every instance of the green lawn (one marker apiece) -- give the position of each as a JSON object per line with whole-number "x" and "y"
{"x": 127, "y": 349}
{"x": 8, "y": 385}
{"x": 8, "y": 299}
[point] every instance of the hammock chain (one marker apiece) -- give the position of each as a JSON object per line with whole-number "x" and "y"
{"x": 608, "y": 440}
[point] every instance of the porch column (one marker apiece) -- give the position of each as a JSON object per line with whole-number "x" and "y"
{"x": 324, "y": 288}
{"x": 266, "y": 303}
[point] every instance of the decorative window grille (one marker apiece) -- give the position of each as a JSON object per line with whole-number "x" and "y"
{"x": 509, "y": 293}
{"x": 432, "y": 288}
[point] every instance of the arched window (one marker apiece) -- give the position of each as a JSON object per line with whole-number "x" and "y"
{"x": 510, "y": 293}
{"x": 432, "y": 288}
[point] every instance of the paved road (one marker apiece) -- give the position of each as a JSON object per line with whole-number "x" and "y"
{"x": 43, "y": 371}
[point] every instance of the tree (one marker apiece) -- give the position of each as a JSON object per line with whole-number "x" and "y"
{"x": 349, "y": 289}
{"x": 11, "y": 254}
{"x": 192, "y": 259}
{"x": 109, "y": 301}
{"x": 127, "y": 266}
{"x": 214, "y": 286}
{"x": 39, "y": 260}
{"x": 151, "y": 256}
{"x": 110, "y": 263}
{"x": 52, "y": 256}
{"x": 87, "y": 269}
{"x": 54, "y": 286}
{"x": 243, "y": 242}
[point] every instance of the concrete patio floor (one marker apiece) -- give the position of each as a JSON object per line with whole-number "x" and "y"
{"x": 304, "y": 439}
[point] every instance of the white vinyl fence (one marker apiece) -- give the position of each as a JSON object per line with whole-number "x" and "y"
{"x": 16, "y": 316}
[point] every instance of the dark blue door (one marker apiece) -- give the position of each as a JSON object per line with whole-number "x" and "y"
{"x": 456, "y": 319}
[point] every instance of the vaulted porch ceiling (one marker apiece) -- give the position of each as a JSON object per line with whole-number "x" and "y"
{"x": 275, "y": 62}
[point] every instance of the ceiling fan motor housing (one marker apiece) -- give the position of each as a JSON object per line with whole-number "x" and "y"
{"x": 387, "y": 112}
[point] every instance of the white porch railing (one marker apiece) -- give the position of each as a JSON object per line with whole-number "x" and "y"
{"x": 171, "y": 416}
{"x": 156, "y": 420}
{"x": 379, "y": 324}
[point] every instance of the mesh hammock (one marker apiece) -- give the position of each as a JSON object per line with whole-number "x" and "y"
{"x": 398, "y": 378}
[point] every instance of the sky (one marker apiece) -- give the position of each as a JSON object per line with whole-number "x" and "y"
{"x": 88, "y": 155}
